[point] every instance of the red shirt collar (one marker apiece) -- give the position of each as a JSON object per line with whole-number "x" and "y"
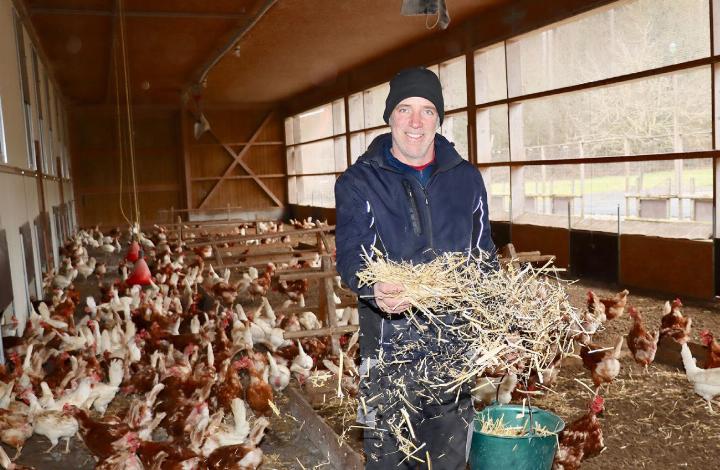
{"x": 422, "y": 167}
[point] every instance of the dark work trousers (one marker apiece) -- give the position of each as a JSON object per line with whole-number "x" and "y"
{"x": 439, "y": 421}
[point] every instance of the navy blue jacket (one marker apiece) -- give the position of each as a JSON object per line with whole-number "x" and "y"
{"x": 379, "y": 206}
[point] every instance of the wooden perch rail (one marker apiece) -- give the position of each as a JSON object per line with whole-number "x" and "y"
{"x": 509, "y": 255}
{"x": 315, "y": 308}
{"x": 244, "y": 238}
{"x": 329, "y": 331}
{"x": 327, "y": 308}
{"x": 279, "y": 258}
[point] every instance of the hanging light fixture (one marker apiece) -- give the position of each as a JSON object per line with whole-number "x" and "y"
{"x": 427, "y": 7}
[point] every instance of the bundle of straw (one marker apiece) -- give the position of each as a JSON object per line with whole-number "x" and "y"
{"x": 498, "y": 427}
{"x": 508, "y": 320}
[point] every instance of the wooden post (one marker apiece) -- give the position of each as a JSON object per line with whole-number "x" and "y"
{"x": 218, "y": 256}
{"x": 327, "y": 301}
{"x": 180, "y": 230}
{"x": 319, "y": 243}
{"x": 340, "y": 330}
{"x": 322, "y": 240}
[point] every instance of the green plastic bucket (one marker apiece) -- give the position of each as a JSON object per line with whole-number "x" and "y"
{"x": 527, "y": 452}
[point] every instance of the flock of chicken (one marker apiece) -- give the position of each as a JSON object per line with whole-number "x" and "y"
{"x": 174, "y": 339}
{"x": 583, "y": 438}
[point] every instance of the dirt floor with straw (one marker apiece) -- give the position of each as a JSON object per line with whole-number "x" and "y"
{"x": 651, "y": 420}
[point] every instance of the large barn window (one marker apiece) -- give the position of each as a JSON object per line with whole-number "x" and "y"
{"x": 39, "y": 106}
{"x": 660, "y": 114}
{"x": 454, "y": 128}
{"x": 628, "y": 147}
{"x": 452, "y": 75}
{"x": 318, "y": 123}
{"x": 366, "y": 107}
{"x": 570, "y": 131}
{"x": 497, "y": 184}
{"x": 316, "y": 153}
{"x": 492, "y": 134}
{"x": 24, "y": 88}
{"x": 637, "y": 35}
{"x": 490, "y": 79}
{"x": 315, "y": 159}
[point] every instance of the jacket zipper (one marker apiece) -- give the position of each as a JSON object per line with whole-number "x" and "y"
{"x": 414, "y": 212}
{"x": 429, "y": 217}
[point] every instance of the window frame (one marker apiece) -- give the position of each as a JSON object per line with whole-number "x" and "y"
{"x": 511, "y": 102}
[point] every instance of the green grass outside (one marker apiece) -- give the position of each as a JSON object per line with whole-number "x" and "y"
{"x": 612, "y": 184}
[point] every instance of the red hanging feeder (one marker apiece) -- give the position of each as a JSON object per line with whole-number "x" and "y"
{"x": 140, "y": 275}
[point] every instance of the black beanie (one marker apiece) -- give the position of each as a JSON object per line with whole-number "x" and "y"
{"x": 415, "y": 82}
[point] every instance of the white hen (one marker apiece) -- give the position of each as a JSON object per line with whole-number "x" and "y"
{"x": 103, "y": 393}
{"x": 225, "y": 435}
{"x": 279, "y": 376}
{"x": 706, "y": 382}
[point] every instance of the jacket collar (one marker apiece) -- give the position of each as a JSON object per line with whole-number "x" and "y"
{"x": 446, "y": 156}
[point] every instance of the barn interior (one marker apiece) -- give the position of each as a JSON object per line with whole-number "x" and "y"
{"x": 213, "y": 126}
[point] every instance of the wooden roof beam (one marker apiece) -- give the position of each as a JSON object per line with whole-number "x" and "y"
{"x": 139, "y": 14}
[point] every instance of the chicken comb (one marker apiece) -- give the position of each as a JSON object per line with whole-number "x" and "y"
{"x": 597, "y": 404}
{"x": 706, "y": 337}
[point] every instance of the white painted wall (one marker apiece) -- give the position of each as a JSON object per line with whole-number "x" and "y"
{"x": 18, "y": 193}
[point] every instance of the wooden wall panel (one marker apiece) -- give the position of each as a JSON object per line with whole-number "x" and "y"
{"x": 152, "y": 203}
{"x": 207, "y": 158}
{"x": 238, "y": 124}
{"x": 500, "y": 233}
{"x": 199, "y": 190}
{"x": 158, "y": 166}
{"x": 246, "y": 193}
{"x": 679, "y": 267}
{"x": 549, "y": 240}
{"x": 266, "y": 160}
{"x": 277, "y": 186}
{"x": 158, "y": 129}
{"x": 104, "y": 208}
{"x": 594, "y": 255}
{"x": 96, "y": 165}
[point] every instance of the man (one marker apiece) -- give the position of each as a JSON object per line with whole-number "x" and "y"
{"x": 412, "y": 197}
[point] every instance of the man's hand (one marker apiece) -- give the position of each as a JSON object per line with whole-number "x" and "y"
{"x": 388, "y": 297}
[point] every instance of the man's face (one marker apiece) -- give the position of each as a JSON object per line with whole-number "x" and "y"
{"x": 413, "y": 123}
